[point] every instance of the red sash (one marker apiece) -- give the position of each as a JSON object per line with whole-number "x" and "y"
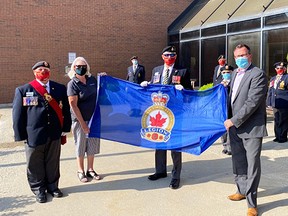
{"x": 52, "y": 102}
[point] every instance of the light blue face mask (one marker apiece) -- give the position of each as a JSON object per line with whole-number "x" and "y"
{"x": 226, "y": 76}
{"x": 135, "y": 62}
{"x": 242, "y": 62}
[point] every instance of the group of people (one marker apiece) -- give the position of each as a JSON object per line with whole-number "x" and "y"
{"x": 42, "y": 124}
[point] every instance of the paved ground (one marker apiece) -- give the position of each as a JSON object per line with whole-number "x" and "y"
{"x": 125, "y": 190}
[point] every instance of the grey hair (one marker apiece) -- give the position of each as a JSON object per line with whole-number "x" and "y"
{"x": 72, "y": 72}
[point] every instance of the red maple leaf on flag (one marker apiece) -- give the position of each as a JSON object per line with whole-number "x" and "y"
{"x": 157, "y": 121}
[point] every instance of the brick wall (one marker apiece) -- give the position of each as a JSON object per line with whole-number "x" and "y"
{"x": 105, "y": 32}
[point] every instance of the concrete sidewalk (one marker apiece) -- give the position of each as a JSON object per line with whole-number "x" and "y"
{"x": 206, "y": 181}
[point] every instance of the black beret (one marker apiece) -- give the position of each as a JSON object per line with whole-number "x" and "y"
{"x": 227, "y": 68}
{"x": 169, "y": 49}
{"x": 41, "y": 64}
{"x": 221, "y": 57}
{"x": 283, "y": 64}
{"x": 134, "y": 57}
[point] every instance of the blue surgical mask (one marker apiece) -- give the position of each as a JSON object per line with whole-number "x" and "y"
{"x": 226, "y": 76}
{"x": 242, "y": 62}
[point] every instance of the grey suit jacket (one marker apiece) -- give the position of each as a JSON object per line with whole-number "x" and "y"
{"x": 248, "y": 110}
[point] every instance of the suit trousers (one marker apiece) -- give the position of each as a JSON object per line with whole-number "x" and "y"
{"x": 161, "y": 162}
{"x": 246, "y": 165}
{"x": 280, "y": 124}
{"x": 43, "y": 166}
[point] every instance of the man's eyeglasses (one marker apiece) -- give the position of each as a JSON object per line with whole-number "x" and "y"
{"x": 279, "y": 68}
{"x": 81, "y": 66}
{"x": 243, "y": 55}
{"x": 171, "y": 55}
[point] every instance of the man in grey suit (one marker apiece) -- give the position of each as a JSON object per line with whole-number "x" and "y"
{"x": 167, "y": 74}
{"x": 246, "y": 126}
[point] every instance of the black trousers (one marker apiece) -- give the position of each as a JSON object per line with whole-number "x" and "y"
{"x": 43, "y": 170}
{"x": 280, "y": 124}
{"x": 161, "y": 162}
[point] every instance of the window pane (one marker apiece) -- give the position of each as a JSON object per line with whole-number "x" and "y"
{"x": 252, "y": 40}
{"x": 190, "y": 35}
{"x": 276, "y": 19}
{"x": 276, "y": 49}
{"x": 190, "y": 59}
{"x": 245, "y": 25}
{"x": 211, "y": 49}
{"x": 214, "y": 31}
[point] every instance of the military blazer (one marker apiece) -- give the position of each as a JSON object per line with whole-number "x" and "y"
{"x": 183, "y": 73}
{"x": 217, "y": 79}
{"x": 38, "y": 121}
{"x": 248, "y": 109}
{"x": 139, "y": 75}
{"x": 278, "y": 98}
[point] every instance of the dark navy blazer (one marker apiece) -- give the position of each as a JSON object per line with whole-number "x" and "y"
{"x": 183, "y": 73}
{"x": 278, "y": 98}
{"x": 38, "y": 123}
{"x": 139, "y": 74}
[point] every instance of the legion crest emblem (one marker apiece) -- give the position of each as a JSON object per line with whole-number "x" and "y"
{"x": 157, "y": 121}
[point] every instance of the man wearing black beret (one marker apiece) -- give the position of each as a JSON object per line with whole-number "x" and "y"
{"x": 217, "y": 78}
{"x": 278, "y": 99}
{"x": 136, "y": 72}
{"x": 167, "y": 74}
{"x": 41, "y": 114}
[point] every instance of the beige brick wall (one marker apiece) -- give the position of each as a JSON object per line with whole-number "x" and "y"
{"x": 107, "y": 33}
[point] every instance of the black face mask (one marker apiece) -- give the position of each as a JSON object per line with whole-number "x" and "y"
{"x": 81, "y": 71}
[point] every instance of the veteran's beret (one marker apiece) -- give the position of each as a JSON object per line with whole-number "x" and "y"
{"x": 41, "y": 64}
{"x": 134, "y": 57}
{"x": 227, "y": 68}
{"x": 221, "y": 57}
{"x": 282, "y": 64}
{"x": 169, "y": 49}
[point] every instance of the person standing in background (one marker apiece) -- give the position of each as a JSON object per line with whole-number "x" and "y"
{"x": 136, "y": 72}
{"x": 226, "y": 78}
{"x": 41, "y": 115}
{"x": 217, "y": 78}
{"x": 278, "y": 99}
{"x": 82, "y": 92}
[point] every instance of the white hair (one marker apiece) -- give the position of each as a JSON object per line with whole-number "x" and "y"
{"x": 72, "y": 72}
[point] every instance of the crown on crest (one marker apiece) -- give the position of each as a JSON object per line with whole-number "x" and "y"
{"x": 160, "y": 99}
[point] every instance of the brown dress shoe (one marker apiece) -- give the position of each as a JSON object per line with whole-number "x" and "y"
{"x": 236, "y": 197}
{"x": 252, "y": 212}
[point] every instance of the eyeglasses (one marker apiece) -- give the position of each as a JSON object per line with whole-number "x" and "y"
{"x": 170, "y": 54}
{"x": 279, "y": 68}
{"x": 243, "y": 55}
{"x": 81, "y": 66}
{"x": 225, "y": 72}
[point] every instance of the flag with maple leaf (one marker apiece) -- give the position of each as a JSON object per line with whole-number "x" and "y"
{"x": 197, "y": 116}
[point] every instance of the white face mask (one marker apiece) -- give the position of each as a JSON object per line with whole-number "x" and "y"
{"x": 134, "y": 62}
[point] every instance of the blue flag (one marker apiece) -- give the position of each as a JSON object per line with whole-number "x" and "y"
{"x": 158, "y": 116}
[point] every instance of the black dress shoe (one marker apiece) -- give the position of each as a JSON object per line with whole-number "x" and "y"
{"x": 275, "y": 140}
{"x": 156, "y": 176}
{"x": 282, "y": 141}
{"x": 174, "y": 183}
{"x": 56, "y": 193}
{"x": 41, "y": 197}
{"x": 229, "y": 153}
